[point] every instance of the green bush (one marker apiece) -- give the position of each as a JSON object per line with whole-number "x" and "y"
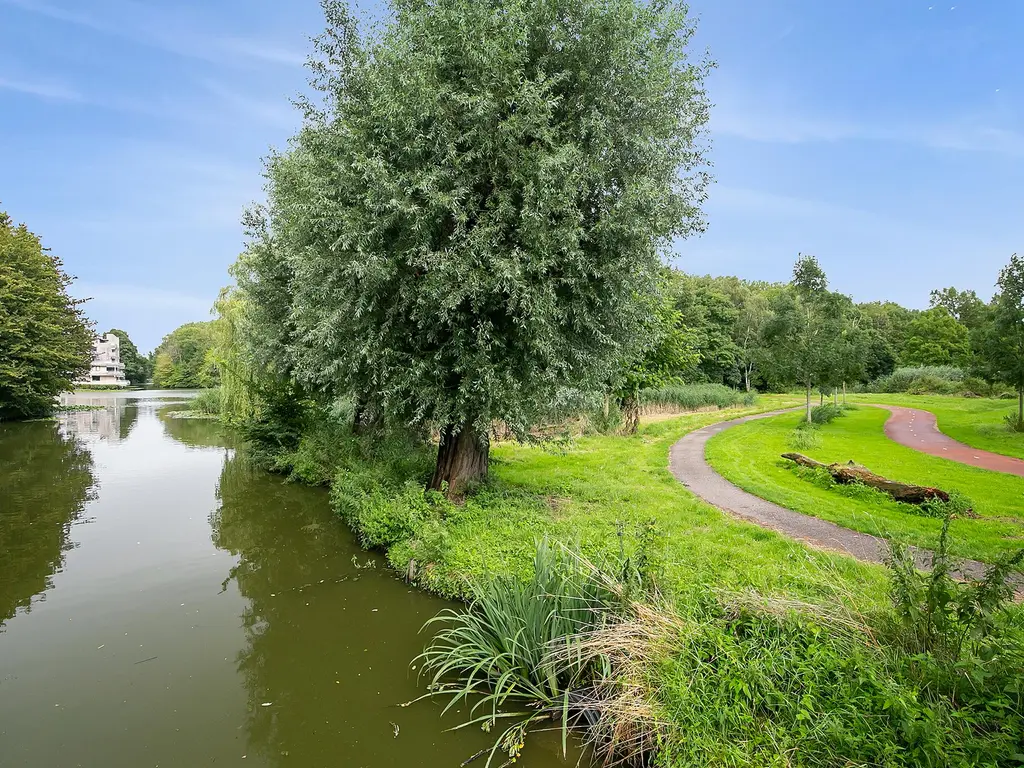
{"x": 826, "y": 414}
{"x": 925, "y": 379}
{"x": 692, "y": 397}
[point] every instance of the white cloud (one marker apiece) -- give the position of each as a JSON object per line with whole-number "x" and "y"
{"x": 779, "y": 119}
{"x": 146, "y": 26}
{"x": 43, "y": 90}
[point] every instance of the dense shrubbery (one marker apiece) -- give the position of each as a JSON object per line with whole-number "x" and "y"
{"x": 924, "y": 379}
{"x": 692, "y": 397}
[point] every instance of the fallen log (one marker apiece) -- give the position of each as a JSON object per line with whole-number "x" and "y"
{"x": 852, "y": 473}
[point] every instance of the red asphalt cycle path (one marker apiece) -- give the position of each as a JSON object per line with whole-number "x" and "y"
{"x": 919, "y": 430}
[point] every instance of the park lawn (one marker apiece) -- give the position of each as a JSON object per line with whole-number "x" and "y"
{"x": 603, "y": 484}
{"x": 749, "y": 456}
{"x": 975, "y": 421}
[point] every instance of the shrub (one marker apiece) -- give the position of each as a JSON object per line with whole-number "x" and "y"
{"x": 973, "y": 385}
{"x": 692, "y": 397}
{"x": 925, "y": 379}
{"x": 1013, "y": 422}
{"x": 826, "y": 414}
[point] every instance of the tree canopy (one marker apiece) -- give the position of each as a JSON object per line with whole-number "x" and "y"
{"x": 137, "y": 367}
{"x": 1004, "y": 345}
{"x": 476, "y": 215}
{"x": 184, "y": 359}
{"x": 45, "y": 339}
{"x": 935, "y": 337}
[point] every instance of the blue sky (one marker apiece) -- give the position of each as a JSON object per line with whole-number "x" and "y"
{"x": 884, "y": 136}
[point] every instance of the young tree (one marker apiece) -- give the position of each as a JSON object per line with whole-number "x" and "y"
{"x": 804, "y": 333}
{"x": 136, "y": 367}
{"x": 1004, "y": 350}
{"x": 482, "y": 202}
{"x": 935, "y": 337}
{"x": 45, "y": 339}
{"x": 753, "y": 318}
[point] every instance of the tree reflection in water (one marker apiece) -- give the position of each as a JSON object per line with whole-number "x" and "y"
{"x": 328, "y": 641}
{"x": 46, "y": 479}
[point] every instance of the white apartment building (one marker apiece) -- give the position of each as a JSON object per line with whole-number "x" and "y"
{"x": 107, "y": 367}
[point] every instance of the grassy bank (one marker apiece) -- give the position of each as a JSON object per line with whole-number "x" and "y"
{"x": 598, "y": 491}
{"x": 749, "y": 456}
{"x": 975, "y": 421}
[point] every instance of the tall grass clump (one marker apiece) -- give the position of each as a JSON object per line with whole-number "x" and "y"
{"x": 511, "y": 655}
{"x": 693, "y": 397}
{"x": 919, "y": 380}
{"x": 207, "y": 402}
{"x": 740, "y": 679}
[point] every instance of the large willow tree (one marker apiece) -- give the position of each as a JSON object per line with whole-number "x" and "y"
{"x": 474, "y": 213}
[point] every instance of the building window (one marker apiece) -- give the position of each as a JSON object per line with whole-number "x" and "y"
{"x": 95, "y": 378}
{"x": 109, "y": 369}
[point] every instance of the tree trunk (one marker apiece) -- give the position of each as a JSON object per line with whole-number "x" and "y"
{"x": 835, "y": 396}
{"x": 746, "y": 376}
{"x": 821, "y": 397}
{"x": 462, "y": 457}
{"x": 844, "y": 393}
{"x": 808, "y": 402}
{"x": 846, "y": 474}
{"x": 631, "y": 414}
{"x": 357, "y": 416}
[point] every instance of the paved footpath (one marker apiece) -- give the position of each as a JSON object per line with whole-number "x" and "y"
{"x": 689, "y": 465}
{"x": 919, "y": 430}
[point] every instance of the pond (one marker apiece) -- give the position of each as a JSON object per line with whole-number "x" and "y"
{"x": 163, "y": 603}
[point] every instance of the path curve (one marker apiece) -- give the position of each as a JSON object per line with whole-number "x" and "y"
{"x": 919, "y": 430}
{"x": 689, "y": 465}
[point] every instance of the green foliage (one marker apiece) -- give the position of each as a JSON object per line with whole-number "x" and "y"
{"x": 811, "y": 338}
{"x": 955, "y": 633}
{"x": 207, "y": 402}
{"x": 1014, "y": 422}
{"x": 923, "y": 379}
{"x": 825, "y": 414}
{"x": 692, "y": 397}
{"x": 137, "y": 368}
{"x": 45, "y": 339}
{"x": 805, "y": 437}
{"x": 475, "y": 218}
{"x": 711, "y": 317}
{"x": 182, "y": 361}
{"x": 508, "y": 656}
{"x": 1003, "y": 349}
{"x": 936, "y": 338}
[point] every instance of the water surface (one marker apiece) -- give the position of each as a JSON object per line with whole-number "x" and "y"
{"x": 164, "y": 604}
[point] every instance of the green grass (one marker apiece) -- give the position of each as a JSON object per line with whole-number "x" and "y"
{"x": 977, "y": 422}
{"x": 749, "y": 456}
{"x": 606, "y": 485}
